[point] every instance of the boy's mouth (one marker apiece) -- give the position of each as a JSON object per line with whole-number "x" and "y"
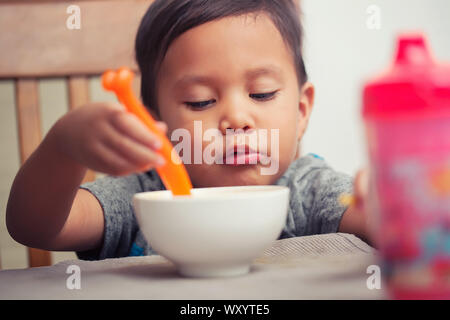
{"x": 238, "y": 155}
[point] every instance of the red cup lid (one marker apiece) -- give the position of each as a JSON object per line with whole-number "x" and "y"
{"x": 414, "y": 86}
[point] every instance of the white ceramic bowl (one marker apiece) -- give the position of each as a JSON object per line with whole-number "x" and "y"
{"x": 214, "y": 232}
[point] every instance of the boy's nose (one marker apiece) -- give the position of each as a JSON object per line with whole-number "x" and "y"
{"x": 235, "y": 117}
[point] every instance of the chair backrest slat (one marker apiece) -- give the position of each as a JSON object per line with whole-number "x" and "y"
{"x": 29, "y": 126}
{"x": 78, "y": 88}
{"x": 28, "y": 116}
{"x": 39, "y": 258}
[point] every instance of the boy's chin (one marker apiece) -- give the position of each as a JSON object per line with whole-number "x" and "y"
{"x": 227, "y": 176}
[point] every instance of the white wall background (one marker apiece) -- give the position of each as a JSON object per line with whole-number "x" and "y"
{"x": 340, "y": 53}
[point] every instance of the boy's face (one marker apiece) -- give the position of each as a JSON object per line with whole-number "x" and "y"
{"x": 238, "y": 74}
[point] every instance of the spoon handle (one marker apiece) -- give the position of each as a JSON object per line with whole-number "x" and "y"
{"x": 173, "y": 173}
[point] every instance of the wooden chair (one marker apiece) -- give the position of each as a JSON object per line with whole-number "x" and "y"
{"x": 40, "y": 39}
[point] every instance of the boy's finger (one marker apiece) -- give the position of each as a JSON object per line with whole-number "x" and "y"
{"x": 362, "y": 183}
{"x": 161, "y": 125}
{"x": 137, "y": 153}
{"x": 109, "y": 162}
{"x": 129, "y": 125}
{"x": 114, "y": 106}
{"x": 361, "y": 186}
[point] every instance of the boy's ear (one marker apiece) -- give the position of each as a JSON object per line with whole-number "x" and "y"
{"x": 306, "y": 104}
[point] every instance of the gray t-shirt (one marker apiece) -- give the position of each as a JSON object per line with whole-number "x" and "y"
{"x": 313, "y": 206}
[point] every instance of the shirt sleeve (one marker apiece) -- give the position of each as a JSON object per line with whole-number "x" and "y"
{"x": 114, "y": 195}
{"x": 315, "y": 189}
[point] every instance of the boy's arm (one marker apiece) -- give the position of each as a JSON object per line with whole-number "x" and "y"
{"x": 47, "y": 210}
{"x": 354, "y": 219}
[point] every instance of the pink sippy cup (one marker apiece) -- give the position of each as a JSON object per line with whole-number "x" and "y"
{"x": 406, "y": 112}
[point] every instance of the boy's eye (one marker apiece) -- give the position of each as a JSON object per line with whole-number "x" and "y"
{"x": 263, "y": 96}
{"x": 256, "y": 96}
{"x": 200, "y": 104}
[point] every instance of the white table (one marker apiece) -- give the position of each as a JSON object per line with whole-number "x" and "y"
{"x": 330, "y": 266}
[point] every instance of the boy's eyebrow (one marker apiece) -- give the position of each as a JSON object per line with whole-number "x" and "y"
{"x": 269, "y": 70}
{"x": 250, "y": 74}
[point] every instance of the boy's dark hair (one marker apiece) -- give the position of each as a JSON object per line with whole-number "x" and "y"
{"x": 165, "y": 20}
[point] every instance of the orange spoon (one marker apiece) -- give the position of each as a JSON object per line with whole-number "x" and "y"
{"x": 173, "y": 173}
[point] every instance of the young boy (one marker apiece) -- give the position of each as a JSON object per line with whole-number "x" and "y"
{"x": 233, "y": 66}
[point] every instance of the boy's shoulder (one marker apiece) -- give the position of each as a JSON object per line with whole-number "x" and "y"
{"x": 308, "y": 167}
{"x": 315, "y": 189}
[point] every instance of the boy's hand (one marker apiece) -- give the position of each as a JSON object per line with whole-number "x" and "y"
{"x": 104, "y": 137}
{"x": 355, "y": 219}
{"x": 361, "y": 189}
